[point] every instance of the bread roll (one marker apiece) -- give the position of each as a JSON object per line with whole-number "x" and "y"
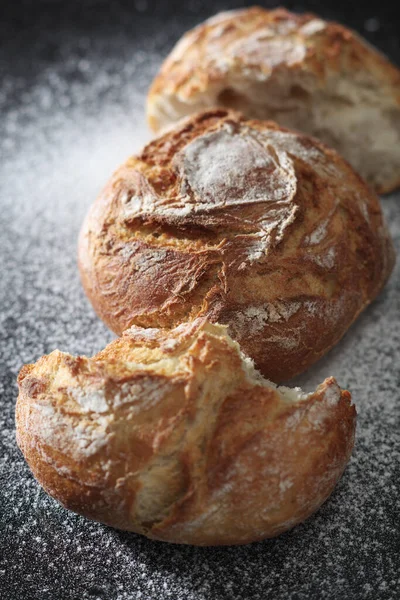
{"x": 256, "y": 227}
{"x": 301, "y": 71}
{"x": 174, "y": 435}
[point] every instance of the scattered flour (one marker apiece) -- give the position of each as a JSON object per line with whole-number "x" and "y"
{"x": 62, "y": 132}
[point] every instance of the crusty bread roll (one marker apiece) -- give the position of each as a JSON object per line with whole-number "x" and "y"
{"x": 298, "y": 70}
{"x": 254, "y": 226}
{"x": 174, "y": 435}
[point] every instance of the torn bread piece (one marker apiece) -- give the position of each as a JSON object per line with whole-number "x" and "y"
{"x": 299, "y": 70}
{"x": 174, "y": 435}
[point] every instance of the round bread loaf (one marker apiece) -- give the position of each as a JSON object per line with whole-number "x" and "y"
{"x": 175, "y": 436}
{"x": 298, "y": 70}
{"x": 251, "y": 225}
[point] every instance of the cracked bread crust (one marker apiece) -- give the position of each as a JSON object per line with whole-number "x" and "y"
{"x": 298, "y": 70}
{"x": 175, "y": 436}
{"x": 251, "y": 225}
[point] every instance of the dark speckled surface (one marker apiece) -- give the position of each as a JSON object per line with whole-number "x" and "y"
{"x": 72, "y": 86}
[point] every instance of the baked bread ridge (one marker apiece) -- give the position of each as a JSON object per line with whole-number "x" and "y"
{"x": 175, "y": 436}
{"x": 299, "y": 70}
{"x": 247, "y": 223}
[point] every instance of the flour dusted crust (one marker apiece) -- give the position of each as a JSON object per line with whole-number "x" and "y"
{"x": 301, "y": 71}
{"x": 174, "y": 435}
{"x": 246, "y": 223}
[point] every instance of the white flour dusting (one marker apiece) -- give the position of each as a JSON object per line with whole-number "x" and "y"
{"x": 90, "y": 400}
{"x": 326, "y": 260}
{"x": 262, "y": 48}
{"x": 254, "y": 318}
{"x": 225, "y": 169}
{"x": 313, "y": 27}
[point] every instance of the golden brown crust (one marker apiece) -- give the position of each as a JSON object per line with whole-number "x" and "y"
{"x": 299, "y": 70}
{"x": 175, "y": 436}
{"x": 239, "y": 220}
